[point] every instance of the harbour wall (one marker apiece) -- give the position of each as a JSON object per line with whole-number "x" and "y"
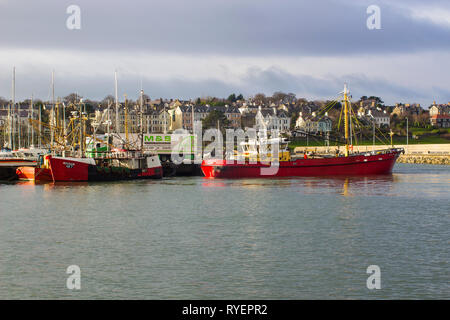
{"x": 415, "y": 153}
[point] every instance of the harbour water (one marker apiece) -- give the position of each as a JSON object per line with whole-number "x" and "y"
{"x": 194, "y": 238}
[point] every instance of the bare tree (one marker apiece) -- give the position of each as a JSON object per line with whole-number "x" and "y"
{"x": 260, "y": 98}
{"x": 72, "y": 98}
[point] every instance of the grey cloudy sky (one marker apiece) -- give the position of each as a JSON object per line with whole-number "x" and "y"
{"x": 179, "y": 48}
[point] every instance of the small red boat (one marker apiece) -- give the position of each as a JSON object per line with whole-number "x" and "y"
{"x": 34, "y": 174}
{"x": 40, "y": 172}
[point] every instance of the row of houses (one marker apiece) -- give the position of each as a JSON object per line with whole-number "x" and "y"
{"x": 162, "y": 116}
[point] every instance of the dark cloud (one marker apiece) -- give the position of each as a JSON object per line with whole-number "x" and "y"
{"x": 251, "y": 27}
{"x": 265, "y": 29}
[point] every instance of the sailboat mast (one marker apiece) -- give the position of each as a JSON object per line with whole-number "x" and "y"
{"x": 11, "y": 115}
{"x": 40, "y": 125}
{"x": 117, "y": 102}
{"x": 52, "y": 112}
{"x": 81, "y": 130}
{"x": 64, "y": 122}
{"x": 30, "y": 117}
{"x": 108, "y": 125}
{"x": 346, "y": 119}
{"x": 141, "y": 124}
{"x": 126, "y": 121}
{"x": 9, "y": 125}
{"x": 15, "y": 118}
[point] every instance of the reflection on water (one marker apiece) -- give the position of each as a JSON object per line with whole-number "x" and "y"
{"x": 196, "y": 238}
{"x": 347, "y": 186}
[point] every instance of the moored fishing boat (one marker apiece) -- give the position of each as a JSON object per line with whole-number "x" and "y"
{"x": 119, "y": 166}
{"x": 284, "y": 165}
{"x": 371, "y": 163}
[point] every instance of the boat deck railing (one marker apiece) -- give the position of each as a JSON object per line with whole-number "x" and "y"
{"x": 118, "y": 155}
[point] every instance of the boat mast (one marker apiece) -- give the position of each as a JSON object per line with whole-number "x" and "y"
{"x": 13, "y": 96}
{"x": 52, "y": 112}
{"x": 126, "y": 121}
{"x": 141, "y": 129}
{"x": 30, "y": 116}
{"x": 117, "y": 102}
{"x": 108, "y": 125}
{"x": 9, "y": 125}
{"x": 19, "y": 125}
{"x": 40, "y": 125}
{"x": 11, "y": 119}
{"x": 81, "y": 129}
{"x": 193, "y": 118}
{"x": 64, "y": 122}
{"x": 346, "y": 119}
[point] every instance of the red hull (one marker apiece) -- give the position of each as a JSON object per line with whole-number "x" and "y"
{"x": 152, "y": 173}
{"x": 72, "y": 169}
{"x": 63, "y": 169}
{"x": 34, "y": 174}
{"x": 352, "y": 165}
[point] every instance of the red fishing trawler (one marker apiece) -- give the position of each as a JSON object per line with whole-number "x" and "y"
{"x": 251, "y": 166}
{"x": 378, "y": 162}
{"x": 77, "y": 156}
{"x": 118, "y": 166}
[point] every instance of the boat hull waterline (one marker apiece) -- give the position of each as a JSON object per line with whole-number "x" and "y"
{"x": 372, "y": 164}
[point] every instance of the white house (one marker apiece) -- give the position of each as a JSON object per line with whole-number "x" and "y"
{"x": 381, "y": 118}
{"x": 271, "y": 119}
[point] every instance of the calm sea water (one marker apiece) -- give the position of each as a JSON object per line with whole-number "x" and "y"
{"x": 193, "y": 238}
